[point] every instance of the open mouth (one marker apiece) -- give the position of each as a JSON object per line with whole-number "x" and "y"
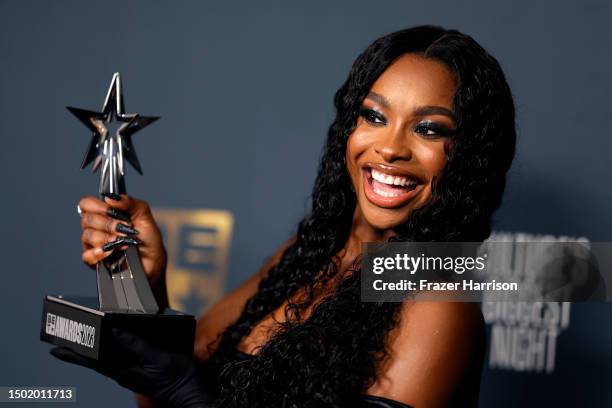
{"x": 388, "y": 189}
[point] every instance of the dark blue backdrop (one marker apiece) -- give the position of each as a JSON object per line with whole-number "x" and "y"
{"x": 244, "y": 90}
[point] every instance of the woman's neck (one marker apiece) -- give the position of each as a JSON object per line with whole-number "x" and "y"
{"x": 362, "y": 231}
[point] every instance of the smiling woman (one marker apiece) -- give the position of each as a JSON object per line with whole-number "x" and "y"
{"x": 398, "y": 146}
{"x": 423, "y": 137}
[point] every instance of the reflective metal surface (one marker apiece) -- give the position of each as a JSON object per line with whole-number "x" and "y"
{"x": 122, "y": 282}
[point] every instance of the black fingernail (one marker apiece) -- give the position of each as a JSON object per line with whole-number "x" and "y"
{"x": 119, "y": 242}
{"x": 109, "y": 246}
{"x": 112, "y": 196}
{"x": 118, "y": 214}
{"x": 131, "y": 241}
{"x": 126, "y": 229}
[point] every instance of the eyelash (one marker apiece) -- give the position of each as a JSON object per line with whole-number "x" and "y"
{"x": 438, "y": 131}
{"x": 371, "y": 116}
{"x": 423, "y": 128}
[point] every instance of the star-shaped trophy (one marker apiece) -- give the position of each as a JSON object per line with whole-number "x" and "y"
{"x": 125, "y": 299}
{"x": 110, "y": 149}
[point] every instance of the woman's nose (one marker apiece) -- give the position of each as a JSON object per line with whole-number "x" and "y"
{"x": 393, "y": 146}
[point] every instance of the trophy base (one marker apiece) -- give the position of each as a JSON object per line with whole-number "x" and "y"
{"x": 78, "y": 324}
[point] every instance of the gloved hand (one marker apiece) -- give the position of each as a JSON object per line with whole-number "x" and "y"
{"x": 170, "y": 378}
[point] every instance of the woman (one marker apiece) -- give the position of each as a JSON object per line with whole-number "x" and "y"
{"x": 423, "y": 137}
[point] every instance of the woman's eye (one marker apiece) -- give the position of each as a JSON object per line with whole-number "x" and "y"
{"x": 433, "y": 130}
{"x": 373, "y": 117}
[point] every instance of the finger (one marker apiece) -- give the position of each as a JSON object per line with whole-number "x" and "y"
{"x": 106, "y": 224}
{"x": 92, "y": 205}
{"x": 69, "y": 356}
{"x": 112, "y": 196}
{"x": 130, "y": 205}
{"x": 118, "y": 214}
{"x": 135, "y": 346}
{"x": 137, "y": 379}
{"x": 92, "y": 256}
{"x": 92, "y": 238}
{"x": 120, "y": 202}
{"x": 126, "y": 229}
{"x": 120, "y": 242}
{"x": 133, "y": 206}
{"x": 99, "y": 222}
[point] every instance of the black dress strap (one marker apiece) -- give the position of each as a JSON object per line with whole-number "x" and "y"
{"x": 372, "y": 401}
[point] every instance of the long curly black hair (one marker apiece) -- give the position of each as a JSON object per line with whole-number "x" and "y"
{"x": 331, "y": 357}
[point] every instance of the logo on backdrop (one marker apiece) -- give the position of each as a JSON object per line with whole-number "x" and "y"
{"x": 524, "y": 334}
{"x": 197, "y": 242}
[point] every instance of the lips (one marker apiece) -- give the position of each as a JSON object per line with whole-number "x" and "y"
{"x": 389, "y": 187}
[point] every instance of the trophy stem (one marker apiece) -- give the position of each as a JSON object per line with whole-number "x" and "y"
{"x": 106, "y": 289}
{"x": 123, "y": 285}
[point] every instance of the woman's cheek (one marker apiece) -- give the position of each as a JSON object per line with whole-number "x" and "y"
{"x": 357, "y": 144}
{"x": 438, "y": 157}
{"x": 353, "y": 153}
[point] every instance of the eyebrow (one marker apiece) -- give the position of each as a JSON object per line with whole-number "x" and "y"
{"x": 434, "y": 110}
{"x": 420, "y": 111}
{"x": 378, "y": 98}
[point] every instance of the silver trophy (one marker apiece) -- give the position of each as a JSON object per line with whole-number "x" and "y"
{"x": 125, "y": 299}
{"x": 122, "y": 283}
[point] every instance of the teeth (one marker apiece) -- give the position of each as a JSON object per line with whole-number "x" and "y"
{"x": 392, "y": 180}
{"x": 385, "y": 193}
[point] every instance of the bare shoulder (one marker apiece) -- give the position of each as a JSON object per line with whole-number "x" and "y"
{"x": 223, "y": 313}
{"x": 435, "y": 355}
{"x": 460, "y": 321}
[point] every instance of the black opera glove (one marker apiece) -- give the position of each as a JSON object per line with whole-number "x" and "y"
{"x": 170, "y": 378}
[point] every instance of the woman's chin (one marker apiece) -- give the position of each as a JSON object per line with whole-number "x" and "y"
{"x": 384, "y": 219}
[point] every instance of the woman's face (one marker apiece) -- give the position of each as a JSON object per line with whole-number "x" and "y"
{"x": 397, "y": 147}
